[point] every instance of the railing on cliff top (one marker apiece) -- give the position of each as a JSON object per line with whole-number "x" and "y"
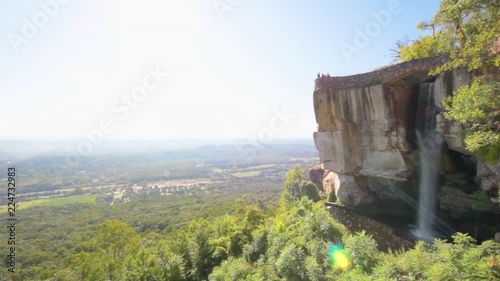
{"x": 384, "y": 75}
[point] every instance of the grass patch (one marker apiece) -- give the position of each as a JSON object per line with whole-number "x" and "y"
{"x": 59, "y": 201}
{"x": 247, "y": 174}
{"x": 265, "y": 166}
{"x": 218, "y": 170}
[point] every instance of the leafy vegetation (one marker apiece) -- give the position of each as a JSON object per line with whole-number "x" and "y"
{"x": 423, "y": 47}
{"x": 292, "y": 242}
{"x": 297, "y": 186}
{"x": 58, "y": 234}
{"x": 208, "y": 237}
{"x": 479, "y": 106}
{"x": 460, "y": 260}
{"x": 467, "y": 31}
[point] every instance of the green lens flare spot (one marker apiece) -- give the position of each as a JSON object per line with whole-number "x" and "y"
{"x": 339, "y": 258}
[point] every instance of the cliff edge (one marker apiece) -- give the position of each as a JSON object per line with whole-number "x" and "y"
{"x": 366, "y": 138}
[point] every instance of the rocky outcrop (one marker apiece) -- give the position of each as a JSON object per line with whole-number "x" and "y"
{"x": 363, "y": 132}
{"x": 367, "y": 143}
{"x": 385, "y": 76}
{"x": 444, "y": 86}
{"x": 315, "y": 174}
{"x": 460, "y": 204}
{"x": 488, "y": 176}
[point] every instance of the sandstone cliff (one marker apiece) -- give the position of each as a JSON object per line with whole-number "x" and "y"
{"x": 367, "y": 143}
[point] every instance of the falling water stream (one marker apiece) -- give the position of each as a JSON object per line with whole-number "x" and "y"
{"x": 429, "y": 143}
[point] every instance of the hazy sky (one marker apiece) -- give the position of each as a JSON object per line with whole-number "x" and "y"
{"x": 236, "y": 68}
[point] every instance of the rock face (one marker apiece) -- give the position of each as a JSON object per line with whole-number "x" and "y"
{"x": 488, "y": 176}
{"x": 362, "y": 131}
{"x": 444, "y": 86}
{"x": 461, "y": 204}
{"x": 367, "y": 143}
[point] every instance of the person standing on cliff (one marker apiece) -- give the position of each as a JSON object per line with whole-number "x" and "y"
{"x": 318, "y": 75}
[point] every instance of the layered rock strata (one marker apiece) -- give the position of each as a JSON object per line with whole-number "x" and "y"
{"x": 367, "y": 144}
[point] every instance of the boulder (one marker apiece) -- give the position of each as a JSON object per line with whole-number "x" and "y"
{"x": 315, "y": 174}
{"x": 445, "y": 85}
{"x": 455, "y": 201}
{"x": 460, "y": 204}
{"x": 451, "y": 130}
{"x": 488, "y": 175}
{"x": 348, "y": 191}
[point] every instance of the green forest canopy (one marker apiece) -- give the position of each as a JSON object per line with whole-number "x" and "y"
{"x": 298, "y": 241}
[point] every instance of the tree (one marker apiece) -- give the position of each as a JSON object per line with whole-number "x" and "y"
{"x": 469, "y": 32}
{"x": 231, "y": 270}
{"x": 310, "y": 190}
{"x": 297, "y": 186}
{"x": 471, "y": 27}
{"x": 362, "y": 249}
{"x": 478, "y": 106}
{"x": 294, "y": 178}
{"x": 424, "y": 46}
{"x": 114, "y": 241}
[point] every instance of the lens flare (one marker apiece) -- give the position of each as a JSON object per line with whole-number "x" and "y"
{"x": 339, "y": 258}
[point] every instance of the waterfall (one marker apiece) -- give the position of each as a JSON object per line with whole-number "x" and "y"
{"x": 429, "y": 143}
